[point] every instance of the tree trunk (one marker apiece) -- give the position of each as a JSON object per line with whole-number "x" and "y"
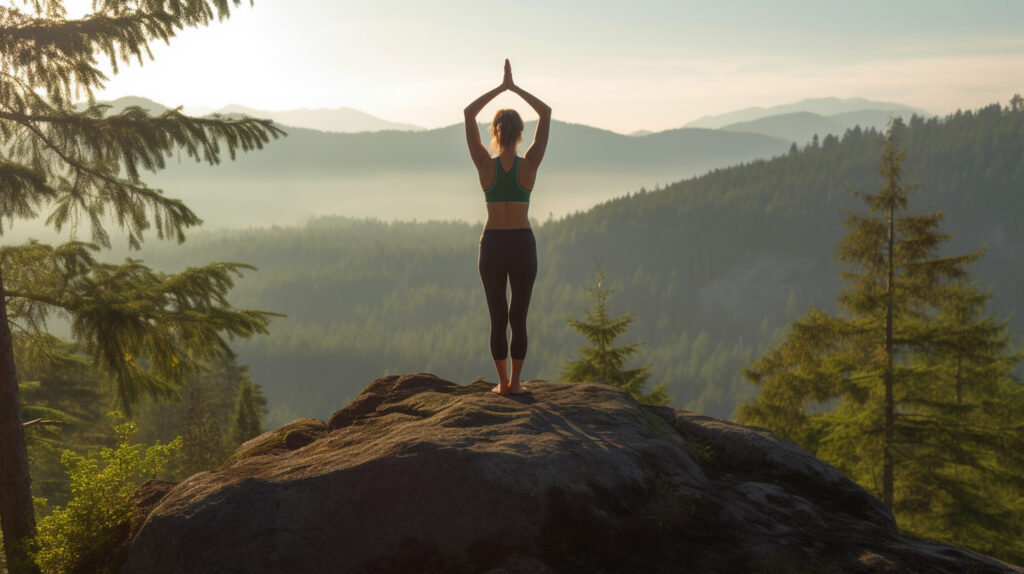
{"x": 17, "y": 518}
{"x": 890, "y": 410}
{"x": 959, "y": 381}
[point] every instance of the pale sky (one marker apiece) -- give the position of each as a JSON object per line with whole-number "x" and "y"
{"x": 618, "y": 65}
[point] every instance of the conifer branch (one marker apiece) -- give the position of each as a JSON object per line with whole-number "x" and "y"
{"x": 145, "y": 328}
{"x": 42, "y": 421}
{"x": 93, "y": 148}
{"x": 59, "y": 55}
{"x": 22, "y": 191}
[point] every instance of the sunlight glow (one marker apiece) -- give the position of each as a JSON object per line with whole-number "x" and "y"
{"x": 652, "y": 65}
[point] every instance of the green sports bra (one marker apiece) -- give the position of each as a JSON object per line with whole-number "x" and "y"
{"x": 506, "y": 185}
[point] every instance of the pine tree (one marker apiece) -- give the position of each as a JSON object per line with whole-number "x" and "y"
{"x": 202, "y": 446}
{"x": 248, "y": 413}
{"x": 602, "y": 362}
{"x": 908, "y": 392}
{"x": 1016, "y": 103}
{"x": 83, "y": 165}
{"x": 963, "y": 436}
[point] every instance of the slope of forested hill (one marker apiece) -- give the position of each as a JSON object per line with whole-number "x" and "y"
{"x": 714, "y": 267}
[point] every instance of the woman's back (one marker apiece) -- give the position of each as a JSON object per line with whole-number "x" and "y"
{"x": 516, "y": 177}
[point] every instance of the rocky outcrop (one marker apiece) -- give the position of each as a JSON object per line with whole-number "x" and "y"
{"x": 419, "y": 474}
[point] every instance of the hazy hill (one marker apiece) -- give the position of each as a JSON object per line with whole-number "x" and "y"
{"x": 117, "y": 106}
{"x": 713, "y": 266}
{"x": 801, "y": 127}
{"x": 573, "y": 146}
{"x": 820, "y": 106}
{"x": 329, "y": 120}
{"x": 797, "y": 127}
{"x": 428, "y": 174}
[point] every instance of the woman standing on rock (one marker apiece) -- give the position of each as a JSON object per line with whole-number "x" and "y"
{"x": 508, "y": 252}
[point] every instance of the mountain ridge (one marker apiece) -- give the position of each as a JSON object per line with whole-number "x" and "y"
{"x": 800, "y": 127}
{"x": 334, "y": 119}
{"x": 340, "y": 120}
{"x": 797, "y": 127}
{"x": 822, "y": 106}
{"x": 427, "y": 174}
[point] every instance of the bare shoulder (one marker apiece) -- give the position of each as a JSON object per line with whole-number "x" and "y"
{"x": 527, "y": 173}
{"x": 528, "y": 166}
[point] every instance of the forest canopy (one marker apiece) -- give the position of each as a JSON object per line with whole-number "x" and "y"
{"x": 714, "y": 268}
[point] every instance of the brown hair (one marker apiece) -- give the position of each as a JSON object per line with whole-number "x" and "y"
{"x": 506, "y": 129}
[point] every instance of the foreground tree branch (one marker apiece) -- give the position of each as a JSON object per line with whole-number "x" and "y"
{"x": 145, "y": 328}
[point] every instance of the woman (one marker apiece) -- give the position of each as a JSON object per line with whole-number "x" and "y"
{"x": 508, "y": 252}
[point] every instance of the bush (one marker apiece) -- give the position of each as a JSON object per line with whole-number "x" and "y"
{"x": 101, "y": 486}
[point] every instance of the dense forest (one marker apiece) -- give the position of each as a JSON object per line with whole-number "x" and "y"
{"x": 714, "y": 267}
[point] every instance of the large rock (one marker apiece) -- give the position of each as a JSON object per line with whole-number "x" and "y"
{"x": 422, "y": 475}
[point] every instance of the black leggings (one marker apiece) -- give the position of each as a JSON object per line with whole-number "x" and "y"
{"x": 508, "y": 255}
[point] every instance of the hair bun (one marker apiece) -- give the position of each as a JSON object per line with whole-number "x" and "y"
{"x": 505, "y": 129}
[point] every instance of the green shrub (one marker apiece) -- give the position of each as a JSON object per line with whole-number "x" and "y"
{"x": 101, "y": 487}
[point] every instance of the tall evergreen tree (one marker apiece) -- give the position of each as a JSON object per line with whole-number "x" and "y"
{"x": 602, "y": 362}
{"x": 83, "y": 165}
{"x": 202, "y": 446}
{"x": 908, "y": 391}
{"x": 964, "y": 435}
{"x": 248, "y": 413}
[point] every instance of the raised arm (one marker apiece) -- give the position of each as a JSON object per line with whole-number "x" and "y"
{"x": 477, "y": 151}
{"x": 535, "y": 154}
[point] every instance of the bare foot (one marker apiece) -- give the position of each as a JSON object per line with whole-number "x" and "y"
{"x": 518, "y": 388}
{"x": 501, "y": 389}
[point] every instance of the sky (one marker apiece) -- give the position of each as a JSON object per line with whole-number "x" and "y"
{"x": 622, "y": 66}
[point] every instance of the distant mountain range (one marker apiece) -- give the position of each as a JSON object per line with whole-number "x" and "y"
{"x": 797, "y": 122}
{"x": 390, "y": 173}
{"x": 117, "y": 106}
{"x": 345, "y": 120}
{"x": 427, "y": 174}
{"x": 789, "y": 121}
{"x": 827, "y": 107}
{"x": 801, "y": 127}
